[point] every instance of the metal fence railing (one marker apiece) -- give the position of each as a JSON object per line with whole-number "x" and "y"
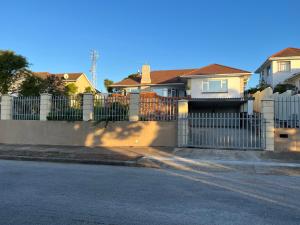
{"x": 66, "y": 108}
{"x": 111, "y": 108}
{"x": 106, "y": 108}
{"x": 158, "y": 109}
{"x": 287, "y": 111}
{"x": 26, "y": 108}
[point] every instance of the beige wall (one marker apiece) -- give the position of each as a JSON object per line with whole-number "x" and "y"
{"x": 150, "y": 133}
{"x": 82, "y": 83}
{"x": 279, "y": 77}
{"x": 291, "y": 143}
{"x": 235, "y": 88}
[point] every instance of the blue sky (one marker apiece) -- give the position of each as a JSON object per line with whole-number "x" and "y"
{"x": 57, "y": 36}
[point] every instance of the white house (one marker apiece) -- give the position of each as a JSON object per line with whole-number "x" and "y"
{"x": 212, "y": 81}
{"x": 281, "y": 67}
{"x": 217, "y": 81}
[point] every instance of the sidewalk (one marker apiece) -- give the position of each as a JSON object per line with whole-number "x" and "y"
{"x": 129, "y": 156}
{"x": 155, "y": 157}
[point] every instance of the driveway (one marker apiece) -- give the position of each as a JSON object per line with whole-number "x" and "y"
{"x": 54, "y": 193}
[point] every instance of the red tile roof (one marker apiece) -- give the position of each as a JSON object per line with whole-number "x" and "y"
{"x": 168, "y": 76}
{"x": 72, "y": 76}
{"x": 174, "y": 76}
{"x": 128, "y": 81}
{"x": 216, "y": 69}
{"x": 287, "y": 52}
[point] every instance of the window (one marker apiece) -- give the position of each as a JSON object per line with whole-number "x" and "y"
{"x": 165, "y": 92}
{"x": 214, "y": 86}
{"x": 268, "y": 70}
{"x": 160, "y": 91}
{"x": 132, "y": 90}
{"x": 172, "y": 92}
{"x": 284, "y": 66}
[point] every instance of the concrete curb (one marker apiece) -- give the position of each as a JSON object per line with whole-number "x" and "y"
{"x": 81, "y": 161}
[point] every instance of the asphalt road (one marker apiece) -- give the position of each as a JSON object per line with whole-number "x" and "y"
{"x": 52, "y": 193}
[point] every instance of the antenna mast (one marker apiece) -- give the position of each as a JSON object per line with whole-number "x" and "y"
{"x": 93, "y": 70}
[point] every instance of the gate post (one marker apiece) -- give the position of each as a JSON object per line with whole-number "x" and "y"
{"x": 267, "y": 110}
{"x": 134, "y": 106}
{"x": 6, "y": 107}
{"x": 45, "y": 106}
{"x": 88, "y": 107}
{"x": 183, "y": 126}
{"x": 250, "y": 104}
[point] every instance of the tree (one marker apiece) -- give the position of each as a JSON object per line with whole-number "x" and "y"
{"x": 259, "y": 87}
{"x": 284, "y": 87}
{"x": 32, "y": 85}
{"x": 11, "y": 67}
{"x": 88, "y": 90}
{"x": 107, "y": 83}
{"x": 53, "y": 85}
{"x": 71, "y": 89}
{"x": 133, "y": 76}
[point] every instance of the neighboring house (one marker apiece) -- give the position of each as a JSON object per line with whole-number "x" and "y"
{"x": 212, "y": 81}
{"x": 79, "y": 79}
{"x": 281, "y": 67}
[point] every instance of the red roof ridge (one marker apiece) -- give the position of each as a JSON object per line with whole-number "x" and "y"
{"x": 171, "y": 70}
{"x": 220, "y": 65}
{"x": 230, "y": 67}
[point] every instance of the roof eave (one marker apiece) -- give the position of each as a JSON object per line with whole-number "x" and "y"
{"x": 211, "y": 75}
{"x": 64, "y": 80}
{"x": 293, "y": 77}
{"x": 259, "y": 69}
{"x": 284, "y": 57}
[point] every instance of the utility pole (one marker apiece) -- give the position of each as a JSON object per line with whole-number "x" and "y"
{"x": 93, "y": 70}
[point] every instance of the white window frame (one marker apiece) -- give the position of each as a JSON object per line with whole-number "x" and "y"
{"x": 223, "y": 82}
{"x": 284, "y": 66}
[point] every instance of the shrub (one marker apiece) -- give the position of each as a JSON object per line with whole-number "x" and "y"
{"x": 284, "y": 87}
{"x": 114, "y": 111}
{"x": 70, "y": 114}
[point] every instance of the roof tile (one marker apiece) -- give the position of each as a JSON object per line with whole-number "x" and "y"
{"x": 287, "y": 52}
{"x": 216, "y": 69}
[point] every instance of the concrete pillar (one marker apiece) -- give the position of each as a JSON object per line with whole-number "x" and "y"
{"x": 134, "y": 106}
{"x": 88, "y": 107}
{"x": 183, "y": 126}
{"x": 45, "y": 106}
{"x": 267, "y": 110}
{"x": 6, "y": 107}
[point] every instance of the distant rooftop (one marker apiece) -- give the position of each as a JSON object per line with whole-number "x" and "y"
{"x": 287, "y": 52}
{"x": 71, "y": 76}
{"x": 174, "y": 76}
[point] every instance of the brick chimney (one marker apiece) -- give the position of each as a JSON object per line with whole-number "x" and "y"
{"x": 146, "y": 79}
